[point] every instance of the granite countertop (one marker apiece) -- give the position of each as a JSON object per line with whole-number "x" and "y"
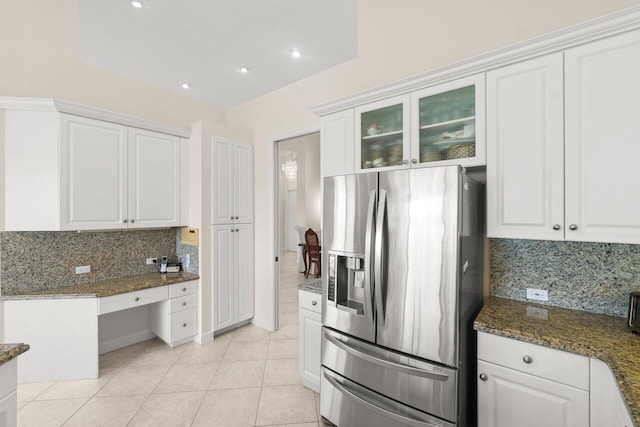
{"x": 594, "y": 335}
{"x": 10, "y": 351}
{"x": 109, "y": 287}
{"x": 314, "y": 285}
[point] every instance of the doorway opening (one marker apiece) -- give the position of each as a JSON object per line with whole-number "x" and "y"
{"x": 298, "y": 208}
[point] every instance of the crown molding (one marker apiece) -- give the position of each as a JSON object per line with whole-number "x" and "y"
{"x": 49, "y": 104}
{"x": 604, "y": 26}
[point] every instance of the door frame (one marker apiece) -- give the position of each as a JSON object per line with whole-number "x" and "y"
{"x": 273, "y": 188}
{"x": 288, "y": 219}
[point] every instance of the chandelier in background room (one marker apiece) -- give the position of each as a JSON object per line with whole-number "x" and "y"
{"x": 290, "y": 169}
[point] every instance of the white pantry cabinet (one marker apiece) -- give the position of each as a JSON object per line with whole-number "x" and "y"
{"x": 73, "y": 172}
{"x": 561, "y": 156}
{"x": 232, "y": 182}
{"x": 526, "y": 385}
{"x": 310, "y": 324}
{"x": 608, "y": 408}
{"x": 233, "y": 287}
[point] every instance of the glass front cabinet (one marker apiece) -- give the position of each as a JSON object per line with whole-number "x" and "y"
{"x": 439, "y": 125}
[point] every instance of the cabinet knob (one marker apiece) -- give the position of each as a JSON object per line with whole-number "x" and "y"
{"x": 232, "y": 230}
{"x": 137, "y": 298}
{"x": 414, "y": 161}
{"x": 405, "y": 162}
{"x": 184, "y": 289}
{"x": 184, "y": 325}
{"x": 132, "y": 221}
{"x": 573, "y": 227}
{"x": 184, "y": 303}
{"x": 237, "y": 217}
{"x": 314, "y": 302}
{"x": 527, "y": 359}
{"x": 230, "y": 217}
{"x": 556, "y": 227}
{"x": 125, "y": 220}
{"x": 483, "y": 377}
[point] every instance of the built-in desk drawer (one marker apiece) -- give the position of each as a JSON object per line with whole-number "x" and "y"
{"x": 181, "y": 289}
{"x": 183, "y": 324}
{"x": 182, "y": 303}
{"x": 132, "y": 299}
{"x": 310, "y": 301}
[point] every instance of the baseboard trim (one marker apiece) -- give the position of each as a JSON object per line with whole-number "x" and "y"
{"x": 204, "y": 338}
{"x": 107, "y": 346}
{"x": 268, "y": 325}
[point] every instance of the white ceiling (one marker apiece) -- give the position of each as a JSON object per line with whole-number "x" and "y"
{"x": 205, "y": 42}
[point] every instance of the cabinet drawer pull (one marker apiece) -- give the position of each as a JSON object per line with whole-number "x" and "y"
{"x": 125, "y": 221}
{"x": 132, "y": 221}
{"x": 573, "y": 227}
{"x": 230, "y": 217}
{"x": 184, "y": 289}
{"x": 405, "y": 162}
{"x": 184, "y": 303}
{"x": 527, "y": 359}
{"x": 137, "y": 298}
{"x": 556, "y": 227}
{"x": 314, "y": 302}
{"x": 483, "y": 377}
{"x": 414, "y": 161}
{"x": 184, "y": 325}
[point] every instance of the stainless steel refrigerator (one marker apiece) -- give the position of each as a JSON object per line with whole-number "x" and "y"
{"x": 402, "y": 284}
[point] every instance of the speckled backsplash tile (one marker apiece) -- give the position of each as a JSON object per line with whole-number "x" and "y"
{"x": 32, "y": 261}
{"x": 182, "y": 250}
{"x": 595, "y": 277}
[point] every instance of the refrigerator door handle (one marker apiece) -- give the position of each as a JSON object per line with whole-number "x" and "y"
{"x": 385, "y": 363}
{"x": 369, "y": 248}
{"x": 380, "y": 250}
{"x": 400, "y": 418}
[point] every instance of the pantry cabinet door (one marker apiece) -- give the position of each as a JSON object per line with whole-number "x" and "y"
{"x": 525, "y": 150}
{"x": 222, "y": 203}
{"x": 243, "y": 183}
{"x": 601, "y": 140}
{"x": 243, "y": 272}
{"x": 154, "y": 179}
{"x": 93, "y": 174}
{"x": 222, "y": 237}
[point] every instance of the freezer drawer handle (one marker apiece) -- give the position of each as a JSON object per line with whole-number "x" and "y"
{"x": 397, "y": 417}
{"x": 385, "y": 363}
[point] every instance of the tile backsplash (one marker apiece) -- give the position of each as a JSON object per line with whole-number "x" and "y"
{"x": 596, "y": 277}
{"x": 32, "y": 261}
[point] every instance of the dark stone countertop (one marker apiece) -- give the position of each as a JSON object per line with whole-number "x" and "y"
{"x": 109, "y": 287}
{"x": 10, "y": 351}
{"x": 593, "y": 335}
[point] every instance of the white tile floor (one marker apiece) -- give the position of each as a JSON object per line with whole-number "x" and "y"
{"x": 246, "y": 377}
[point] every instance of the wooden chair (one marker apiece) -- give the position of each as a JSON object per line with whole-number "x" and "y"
{"x": 313, "y": 251}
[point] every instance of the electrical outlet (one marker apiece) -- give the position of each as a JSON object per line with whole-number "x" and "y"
{"x": 83, "y": 269}
{"x": 151, "y": 261}
{"x": 537, "y": 294}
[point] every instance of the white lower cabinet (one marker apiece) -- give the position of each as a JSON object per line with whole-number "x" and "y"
{"x": 232, "y": 263}
{"x": 526, "y": 385}
{"x": 310, "y": 324}
{"x": 607, "y": 405}
{"x": 8, "y": 394}
{"x": 173, "y": 320}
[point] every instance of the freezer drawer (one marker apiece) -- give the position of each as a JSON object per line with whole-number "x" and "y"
{"x": 347, "y": 404}
{"x": 424, "y": 386}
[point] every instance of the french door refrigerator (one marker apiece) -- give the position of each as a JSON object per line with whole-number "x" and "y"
{"x": 402, "y": 285}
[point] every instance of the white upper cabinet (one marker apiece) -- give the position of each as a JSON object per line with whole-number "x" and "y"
{"x": 71, "y": 172}
{"x": 601, "y": 140}
{"x": 232, "y": 182}
{"x": 448, "y": 123}
{"x": 382, "y": 134}
{"x": 154, "y": 179}
{"x": 525, "y": 153}
{"x": 93, "y": 174}
{"x": 337, "y": 143}
{"x": 561, "y": 145}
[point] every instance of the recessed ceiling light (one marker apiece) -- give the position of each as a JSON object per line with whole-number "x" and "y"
{"x": 244, "y": 70}
{"x": 296, "y": 53}
{"x": 136, "y": 3}
{"x": 185, "y": 85}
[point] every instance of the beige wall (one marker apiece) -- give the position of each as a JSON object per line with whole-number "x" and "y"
{"x": 396, "y": 39}
{"x": 38, "y": 43}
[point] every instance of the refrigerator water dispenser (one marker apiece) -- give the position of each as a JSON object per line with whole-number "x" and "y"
{"x": 346, "y": 283}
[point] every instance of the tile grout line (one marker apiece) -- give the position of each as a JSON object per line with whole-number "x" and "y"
{"x": 195, "y": 414}
{"x": 264, "y": 372}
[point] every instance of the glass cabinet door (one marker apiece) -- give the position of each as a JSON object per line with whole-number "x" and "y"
{"x": 382, "y": 134}
{"x": 449, "y": 123}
